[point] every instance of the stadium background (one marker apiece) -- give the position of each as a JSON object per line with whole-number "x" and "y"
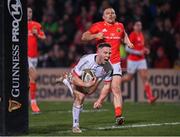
{"x": 64, "y": 21}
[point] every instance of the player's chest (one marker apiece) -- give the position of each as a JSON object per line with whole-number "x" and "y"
{"x": 139, "y": 39}
{"x": 31, "y": 27}
{"x": 98, "y": 70}
{"x": 113, "y": 32}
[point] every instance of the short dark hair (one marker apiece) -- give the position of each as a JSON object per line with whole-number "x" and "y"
{"x": 102, "y": 45}
{"x": 136, "y": 20}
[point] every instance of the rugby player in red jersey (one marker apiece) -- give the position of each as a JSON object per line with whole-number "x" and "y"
{"x": 35, "y": 33}
{"x": 112, "y": 32}
{"x": 136, "y": 59}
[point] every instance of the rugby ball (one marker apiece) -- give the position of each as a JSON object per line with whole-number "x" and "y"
{"x": 87, "y": 75}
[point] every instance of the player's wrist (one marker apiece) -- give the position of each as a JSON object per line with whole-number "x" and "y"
{"x": 94, "y": 36}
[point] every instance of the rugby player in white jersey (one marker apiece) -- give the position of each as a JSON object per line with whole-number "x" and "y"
{"x": 101, "y": 68}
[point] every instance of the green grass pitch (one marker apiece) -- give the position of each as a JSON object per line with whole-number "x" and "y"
{"x": 159, "y": 119}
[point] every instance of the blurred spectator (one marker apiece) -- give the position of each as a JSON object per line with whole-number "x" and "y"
{"x": 161, "y": 60}
{"x": 177, "y": 60}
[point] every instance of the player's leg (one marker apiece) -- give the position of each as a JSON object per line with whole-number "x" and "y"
{"x": 76, "y": 109}
{"x": 127, "y": 77}
{"x": 144, "y": 76}
{"x": 33, "y": 85}
{"x": 66, "y": 78}
{"x": 117, "y": 94}
{"x": 131, "y": 69}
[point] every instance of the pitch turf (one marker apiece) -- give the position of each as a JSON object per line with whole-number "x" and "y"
{"x": 141, "y": 119}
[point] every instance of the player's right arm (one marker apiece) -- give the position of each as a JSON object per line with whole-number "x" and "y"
{"x": 38, "y": 31}
{"x": 87, "y": 36}
{"x": 92, "y": 33}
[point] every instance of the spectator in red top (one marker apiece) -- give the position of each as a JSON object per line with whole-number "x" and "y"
{"x": 161, "y": 60}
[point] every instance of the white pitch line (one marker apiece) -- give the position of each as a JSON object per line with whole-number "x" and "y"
{"x": 138, "y": 125}
{"x": 125, "y": 127}
{"x": 85, "y": 111}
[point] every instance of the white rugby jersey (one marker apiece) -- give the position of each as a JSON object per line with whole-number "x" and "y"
{"x": 88, "y": 62}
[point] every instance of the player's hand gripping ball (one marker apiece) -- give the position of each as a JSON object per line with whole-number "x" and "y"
{"x": 87, "y": 76}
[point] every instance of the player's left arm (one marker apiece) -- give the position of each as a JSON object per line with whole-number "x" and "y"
{"x": 41, "y": 35}
{"x": 133, "y": 51}
{"x": 38, "y": 32}
{"x": 104, "y": 92}
{"x": 127, "y": 41}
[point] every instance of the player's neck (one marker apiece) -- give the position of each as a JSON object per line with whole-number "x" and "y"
{"x": 109, "y": 23}
{"x": 97, "y": 60}
{"x": 137, "y": 31}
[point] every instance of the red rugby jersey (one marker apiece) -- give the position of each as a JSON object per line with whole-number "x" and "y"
{"x": 137, "y": 40}
{"x": 32, "y": 39}
{"x": 113, "y": 34}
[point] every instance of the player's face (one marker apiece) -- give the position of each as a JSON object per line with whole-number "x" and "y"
{"x": 29, "y": 13}
{"x": 138, "y": 26}
{"x": 104, "y": 54}
{"x": 109, "y": 15}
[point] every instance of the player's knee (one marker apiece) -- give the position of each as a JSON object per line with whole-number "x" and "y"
{"x": 32, "y": 75}
{"x": 117, "y": 95}
{"x": 144, "y": 77}
{"x": 80, "y": 99}
{"x": 129, "y": 78}
{"x": 115, "y": 89}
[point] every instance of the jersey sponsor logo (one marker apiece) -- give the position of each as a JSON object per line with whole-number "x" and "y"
{"x": 111, "y": 37}
{"x": 118, "y": 30}
{"x": 104, "y": 30}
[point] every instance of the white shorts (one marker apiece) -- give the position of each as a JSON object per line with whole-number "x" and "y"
{"x": 133, "y": 66}
{"x": 117, "y": 69}
{"x": 32, "y": 62}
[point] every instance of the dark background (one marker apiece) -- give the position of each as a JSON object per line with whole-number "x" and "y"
{"x": 64, "y": 21}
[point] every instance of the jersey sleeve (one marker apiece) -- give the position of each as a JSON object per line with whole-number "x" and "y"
{"x": 108, "y": 78}
{"x": 109, "y": 71}
{"x": 94, "y": 28}
{"x": 78, "y": 69}
{"x": 40, "y": 31}
{"x": 131, "y": 37}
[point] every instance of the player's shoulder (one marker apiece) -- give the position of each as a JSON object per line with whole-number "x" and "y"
{"x": 132, "y": 33}
{"x": 88, "y": 56}
{"x": 99, "y": 23}
{"x": 36, "y": 23}
{"x": 119, "y": 24}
